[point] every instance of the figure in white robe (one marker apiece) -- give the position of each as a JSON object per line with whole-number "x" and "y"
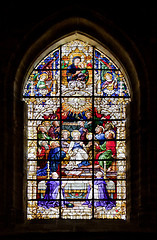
{"x": 77, "y": 152}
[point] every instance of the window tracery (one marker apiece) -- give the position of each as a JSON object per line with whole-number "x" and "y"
{"x": 76, "y": 144}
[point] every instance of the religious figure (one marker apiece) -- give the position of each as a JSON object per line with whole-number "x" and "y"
{"x": 43, "y": 152}
{"x": 88, "y": 122}
{"x": 76, "y": 76}
{"x": 41, "y": 84}
{"x": 55, "y": 157}
{"x": 77, "y": 152}
{"x": 52, "y": 194}
{"x": 73, "y": 70}
{"x": 65, "y": 140}
{"x": 83, "y": 75}
{"x": 54, "y": 131}
{"x": 99, "y": 130}
{"x": 42, "y": 133}
{"x": 101, "y": 196}
{"x": 110, "y": 85}
{"x": 83, "y": 130}
{"x": 107, "y": 150}
{"x": 65, "y": 145}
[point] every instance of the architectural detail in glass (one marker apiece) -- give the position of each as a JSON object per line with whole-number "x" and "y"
{"x": 76, "y": 142}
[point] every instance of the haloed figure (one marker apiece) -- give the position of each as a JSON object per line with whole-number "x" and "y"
{"x": 73, "y": 69}
{"x": 107, "y": 150}
{"x": 77, "y": 152}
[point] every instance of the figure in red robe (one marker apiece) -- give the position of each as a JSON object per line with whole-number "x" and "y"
{"x": 107, "y": 150}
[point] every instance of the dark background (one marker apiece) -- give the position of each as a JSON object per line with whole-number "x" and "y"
{"x": 21, "y": 25}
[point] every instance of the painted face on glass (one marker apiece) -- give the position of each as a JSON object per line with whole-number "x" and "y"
{"x": 65, "y": 135}
{"x": 76, "y": 61}
{"x": 43, "y": 129}
{"x": 76, "y": 112}
{"x": 108, "y": 77}
{"x": 89, "y": 115}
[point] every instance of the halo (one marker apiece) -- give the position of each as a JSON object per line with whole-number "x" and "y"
{"x": 75, "y": 131}
{"x": 76, "y": 54}
{"x": 43, "y": 74}
{"x": 66, "y": 131}
{"x": 88, "y": 134}
{"x": 108, "y": 73}
{"x": 54, "y": 141}
{"x": 88, "y": 112}
{"x": 45, "y": 122}
{"x": 102, "y": 128}
{"x": 40, "y": 143}
{"x": 110, "y": 131}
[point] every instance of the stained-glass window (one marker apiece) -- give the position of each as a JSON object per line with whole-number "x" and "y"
{"x": 76, "y": 143}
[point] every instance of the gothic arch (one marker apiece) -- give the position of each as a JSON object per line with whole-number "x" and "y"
{"x": 121, "y": 47}
{"x": 71, "y": 85}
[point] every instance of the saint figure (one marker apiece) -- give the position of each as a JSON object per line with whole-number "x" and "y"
{"x": 52, "y": 194}
{"x": 77, "y": 152}
{"x": 101, "y": 196}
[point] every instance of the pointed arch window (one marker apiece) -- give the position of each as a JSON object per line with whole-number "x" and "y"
{"x": 76, "y": 94}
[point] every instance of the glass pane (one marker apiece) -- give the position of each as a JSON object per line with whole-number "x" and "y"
{"x": 75, "y": 108}
{"x": 110, "y": 83}
{"x": 34, "y": 211}
{"x": 78, "y": 83}
{"x": 77, "y": 62}
{"x": 117, "y": 212}
{"x": 76, "y": 210}
{"x": 107, "y": 109}
{"x": 76, "y": 135}
{"x": 42, "y": 83}
{"x": 51, "y": 61}
{"x": 102, "y": 61}
{"x": 43, "y": 108}
{"x": 77, "y": 51}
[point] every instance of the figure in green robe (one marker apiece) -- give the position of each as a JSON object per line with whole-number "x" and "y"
{"x": 108, "y": 150}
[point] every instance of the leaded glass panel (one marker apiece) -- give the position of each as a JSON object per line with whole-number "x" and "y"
{"x": 76, "y": 135}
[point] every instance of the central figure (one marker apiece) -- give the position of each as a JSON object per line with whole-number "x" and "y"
{"x": 77, "y": 152}
{"x": 73, "y": 70}
{"x": 77, "y": 74}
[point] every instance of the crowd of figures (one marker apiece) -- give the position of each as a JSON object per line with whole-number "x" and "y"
{"x": 76, "y": 98}
{"x": 68, "y": 142}
{"x": 72, "y": 142}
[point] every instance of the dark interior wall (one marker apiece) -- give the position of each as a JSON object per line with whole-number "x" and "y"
{"x": 130, "y": 32}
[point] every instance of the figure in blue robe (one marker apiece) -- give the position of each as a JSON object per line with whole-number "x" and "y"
{"x": 100, "y": 137}
{"x": 56, "y": 155}
{"x": 71, "y": 70}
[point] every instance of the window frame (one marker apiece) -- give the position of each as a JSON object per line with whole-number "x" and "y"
{"x": 81, "y": 37}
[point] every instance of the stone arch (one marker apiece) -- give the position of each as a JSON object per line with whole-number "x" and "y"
{"x": 125, "y": 51}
